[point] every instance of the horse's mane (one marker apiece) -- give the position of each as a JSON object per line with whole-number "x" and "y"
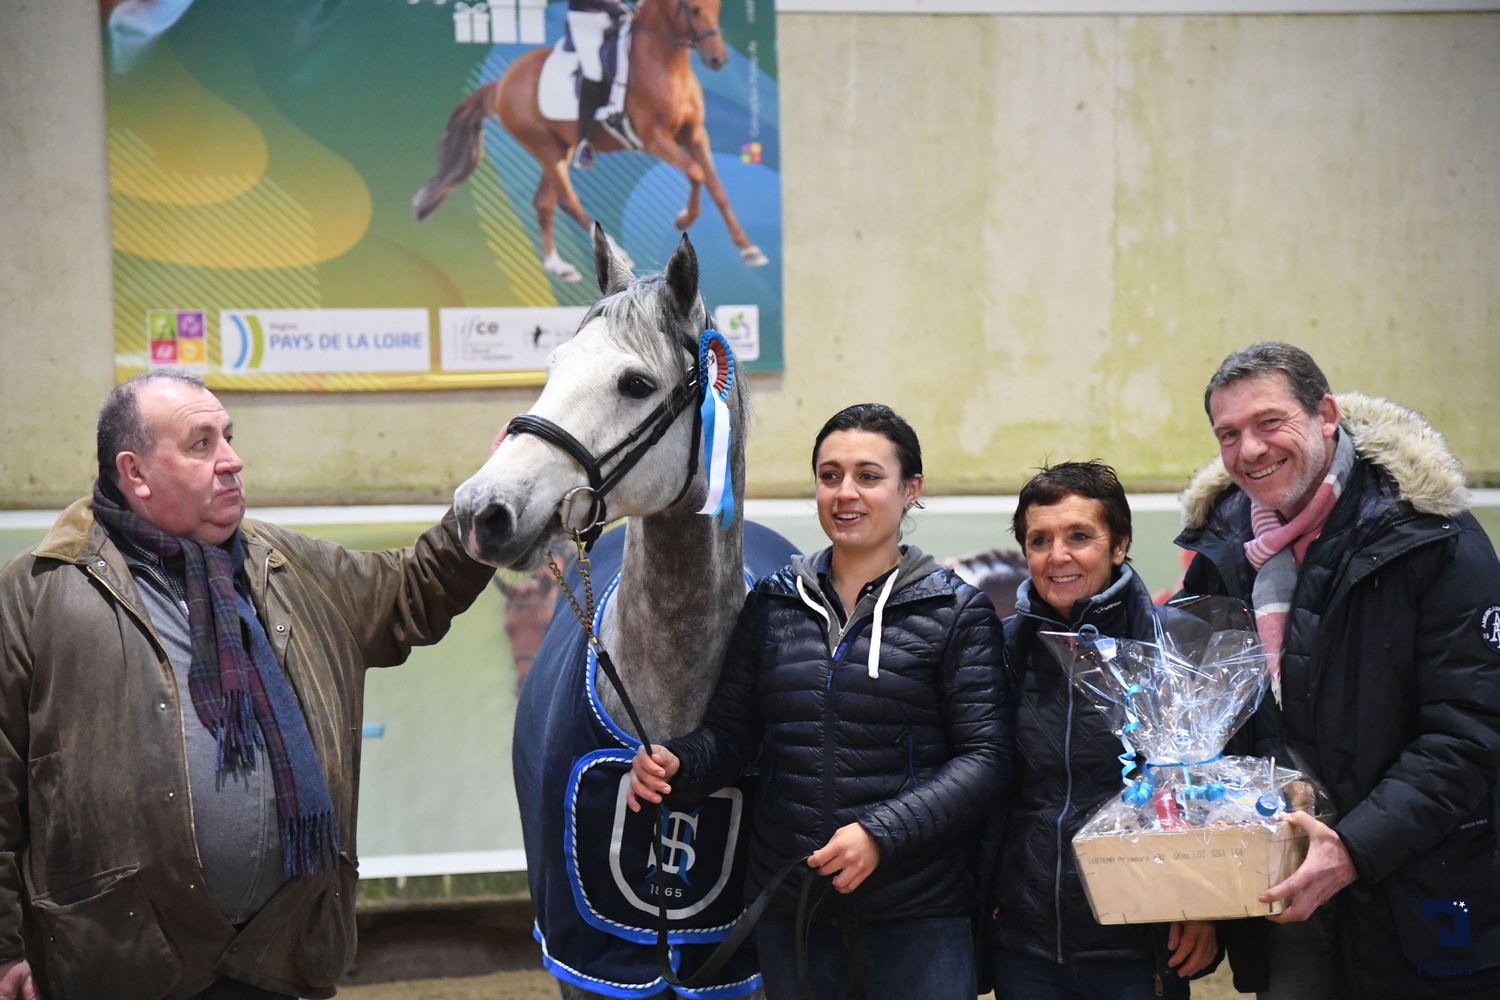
{"x": 641, "y": 317}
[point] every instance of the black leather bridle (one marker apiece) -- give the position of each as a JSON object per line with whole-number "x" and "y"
{"x": 642, "y": 437}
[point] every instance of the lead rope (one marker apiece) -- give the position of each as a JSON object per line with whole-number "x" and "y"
{"x": 747, "y": 920}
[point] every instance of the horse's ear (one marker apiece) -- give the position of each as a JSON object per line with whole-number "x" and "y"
{"x": 682, "y": 278}
{"x": 610, "y": 271}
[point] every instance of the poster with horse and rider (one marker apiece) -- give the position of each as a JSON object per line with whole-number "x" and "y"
{"x": 400, "y": 194}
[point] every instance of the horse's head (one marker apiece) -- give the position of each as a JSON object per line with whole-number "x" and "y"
{"x": 632, "y": 357}
{"x": 699, "y": 23}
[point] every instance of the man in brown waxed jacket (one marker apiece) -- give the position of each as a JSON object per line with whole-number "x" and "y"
{"x": 181, "y": 694}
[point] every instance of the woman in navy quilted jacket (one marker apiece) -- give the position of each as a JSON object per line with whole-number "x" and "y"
{"x": 866, "y": 681}
{"x": 1073, "y": 523}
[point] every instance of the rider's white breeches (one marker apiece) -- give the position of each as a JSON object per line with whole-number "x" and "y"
{"x": 587, "y": 28}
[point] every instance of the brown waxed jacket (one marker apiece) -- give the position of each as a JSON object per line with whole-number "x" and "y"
{"x": 100, "y": 883}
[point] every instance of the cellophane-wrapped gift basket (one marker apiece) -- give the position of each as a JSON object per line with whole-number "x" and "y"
{"x": 1194, "y": 835}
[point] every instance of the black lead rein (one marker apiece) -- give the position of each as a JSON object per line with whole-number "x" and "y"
{"x": 748, "y": 919}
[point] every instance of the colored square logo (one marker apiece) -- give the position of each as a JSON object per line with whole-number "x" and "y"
{"x": 190, "y": 351}
{"x": 163, "y": 352}
{"x": 750, "y": 152}
{"x": 162, "y": 325}
{"x": 177, "y": 337}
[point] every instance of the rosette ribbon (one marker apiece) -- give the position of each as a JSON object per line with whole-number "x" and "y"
{"x": 716, "y": 375}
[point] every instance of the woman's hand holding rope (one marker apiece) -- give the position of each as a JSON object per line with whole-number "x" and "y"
{"x": 850, "y": 855}
{"x": 649, "y": 776}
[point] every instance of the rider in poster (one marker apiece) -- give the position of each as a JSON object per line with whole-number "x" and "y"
{"x": 594, "y": 26}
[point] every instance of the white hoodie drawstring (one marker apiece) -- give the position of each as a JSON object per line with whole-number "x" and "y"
{"x": 885, "y": 593}
{"x": 802, "y": 592}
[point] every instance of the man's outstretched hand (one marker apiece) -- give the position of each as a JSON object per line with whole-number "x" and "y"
{"x": 16, "y": 982}
{"x": 648, "y": 778}
{"x": 1328, "y": 869}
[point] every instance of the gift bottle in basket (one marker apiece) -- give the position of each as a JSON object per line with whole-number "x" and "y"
{"x": 1193, "y": 835}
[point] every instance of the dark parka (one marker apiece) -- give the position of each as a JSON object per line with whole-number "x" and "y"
{"x": 917, "y": 755}
{"x": 1067, "y": 767}
{"x": 100, "y": 883}
{"x": 1390, "y": 691}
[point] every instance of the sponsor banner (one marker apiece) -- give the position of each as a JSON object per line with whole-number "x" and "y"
{"x": 306, "y": 155}
{"x": 176, "y": 338}
{"x": 501, "y": 339}
{"x": 741, "y": 327}
{"x": 316, "y": 341}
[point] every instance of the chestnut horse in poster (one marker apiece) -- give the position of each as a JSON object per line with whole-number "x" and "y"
{"x": 663, "y": 100}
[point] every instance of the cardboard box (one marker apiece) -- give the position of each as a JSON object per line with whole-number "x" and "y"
{"x": 1198, "y": 874}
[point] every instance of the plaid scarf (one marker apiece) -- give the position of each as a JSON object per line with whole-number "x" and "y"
{"x": 1277, "y": 551}
{"x": 240, "y": 694}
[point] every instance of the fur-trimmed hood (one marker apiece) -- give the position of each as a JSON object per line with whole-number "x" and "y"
{"x": 1391, "y": 436}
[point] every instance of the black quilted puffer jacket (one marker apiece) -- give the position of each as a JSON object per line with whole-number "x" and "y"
{"x": 915, "y": 749}
{"x": 1067, "y": 767}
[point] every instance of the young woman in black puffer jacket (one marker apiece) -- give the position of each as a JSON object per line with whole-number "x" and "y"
{"x": 866, "y": 680}
{"x": 1073, "y": 523}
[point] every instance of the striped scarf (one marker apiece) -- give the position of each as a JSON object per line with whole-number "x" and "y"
{"x": 240, "y": 694}
{"x": 1277, "y": 551}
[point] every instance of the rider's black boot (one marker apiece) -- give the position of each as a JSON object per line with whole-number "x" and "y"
{"x": 592, "y": 95}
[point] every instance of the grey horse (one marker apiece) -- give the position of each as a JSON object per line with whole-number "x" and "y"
{"x": 681, "y": 586}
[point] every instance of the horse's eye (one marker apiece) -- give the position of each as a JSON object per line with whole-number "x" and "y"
{"x": 636, "y": 385}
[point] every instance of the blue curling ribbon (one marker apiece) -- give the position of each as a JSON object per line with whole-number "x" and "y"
{"x": 716, "y": 427}
{"x": 1140, "y": 791}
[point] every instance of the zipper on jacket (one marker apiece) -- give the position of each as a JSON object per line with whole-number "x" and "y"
{"x": 1061, "y": 815}
{"x": 187, "y": 783}
{"x": 1160, "y": 989}
{"x": 829, "y": 720}
{"x": 911, "y": 754}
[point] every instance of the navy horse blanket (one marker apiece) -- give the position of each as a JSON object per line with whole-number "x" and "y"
{"x": 593, "y": 878}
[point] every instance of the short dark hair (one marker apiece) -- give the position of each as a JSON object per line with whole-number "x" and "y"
{"x": 1267, "y": 357}
{"x": 120, "y": 426}
{"x": 877, "y": 418}
{"x": 1092, "y": 480}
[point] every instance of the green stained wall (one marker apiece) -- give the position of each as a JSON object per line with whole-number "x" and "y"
{"x": 1035, "y": 236}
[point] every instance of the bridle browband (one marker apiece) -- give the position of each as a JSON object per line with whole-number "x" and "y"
{"x": 643, "y": 436}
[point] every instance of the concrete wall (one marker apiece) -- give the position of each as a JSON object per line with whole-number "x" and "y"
{"x": 1035, "y": 236}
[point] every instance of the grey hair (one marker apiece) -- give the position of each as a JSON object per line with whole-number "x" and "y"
{"x": 642, "y": 318}
{"x": 1267, "y": 357}
{"x": 121, "y": 427}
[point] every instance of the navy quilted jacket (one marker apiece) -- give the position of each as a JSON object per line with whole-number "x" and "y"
{"x": 918, "y": 754}
{"x": 1067, "y": 767}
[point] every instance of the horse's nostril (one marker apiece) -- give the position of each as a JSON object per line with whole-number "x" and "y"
{"x": 493, "y": 525}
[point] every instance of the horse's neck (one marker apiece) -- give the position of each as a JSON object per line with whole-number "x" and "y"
{"x": 668, "y": 624}
{"x": 651, "y": 41}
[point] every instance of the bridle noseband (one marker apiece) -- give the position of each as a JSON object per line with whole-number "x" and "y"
{"x": 643, "y": 436}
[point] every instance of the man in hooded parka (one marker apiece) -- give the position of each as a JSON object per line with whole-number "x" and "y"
{"x": 1344, "y": 521}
